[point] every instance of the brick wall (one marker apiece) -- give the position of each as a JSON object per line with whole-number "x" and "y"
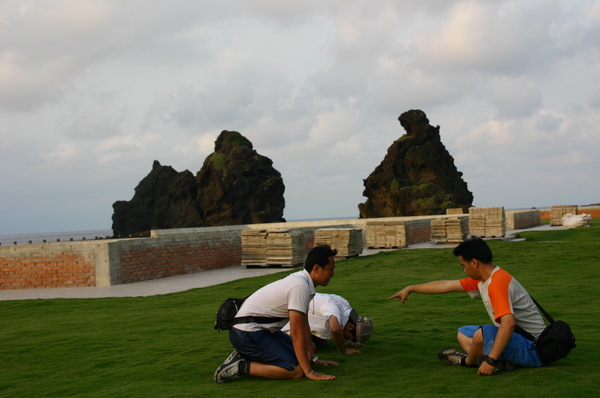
{"x": 418, "y": 231}
{"x": 45, "y": 270}
{"x": 594, "y": 211}
{"x": 167, "y": 253}
{"x": 152, "y": 259}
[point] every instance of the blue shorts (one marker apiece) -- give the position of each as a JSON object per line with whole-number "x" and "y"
{"x": 519, "y": 350}
{"x": 265, "y": 347}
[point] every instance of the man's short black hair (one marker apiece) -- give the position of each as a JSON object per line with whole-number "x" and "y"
{"x": 474, "y": 248}
{"x": 319, "y": 255}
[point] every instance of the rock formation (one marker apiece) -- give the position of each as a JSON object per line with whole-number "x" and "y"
{"x": 416, "y": 177}
{"x": 163, "y": 199}
{"x": 235, "y": 186}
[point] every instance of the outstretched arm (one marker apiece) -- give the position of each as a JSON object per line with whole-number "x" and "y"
{"x": 433, "y": 287}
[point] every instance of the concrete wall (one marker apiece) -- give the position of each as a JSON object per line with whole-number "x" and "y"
{"x": 166, "y": 253}
{"x": 171, "y": 252}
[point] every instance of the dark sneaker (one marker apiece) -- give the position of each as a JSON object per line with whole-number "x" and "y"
{"x": 451, "y": 356}
{"x": 501, "y": 366}
{"x": 229, "y": 370}
{"x": 232, "y": 355}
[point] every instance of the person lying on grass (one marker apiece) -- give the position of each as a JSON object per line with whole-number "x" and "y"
{"x": 331, "y": 317}
{"x": 489, "y": 347}
{"x": 261, "y": 348}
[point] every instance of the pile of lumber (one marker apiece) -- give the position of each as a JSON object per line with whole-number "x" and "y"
{"x": 449, "y": 230}
{"x": 455, "y": 211}
{"x": 557, "y": 213}
{"x": 254, "y": 247}
{"x": 347, "y": 241}
{"x": 285, "y": 247}
{"x": 487, "y": 221}
{"x": 272, "y": 247}
{"x": 438, "y": 230}
{"x": 386, "y": 234}
{"x": 457, "y": 229}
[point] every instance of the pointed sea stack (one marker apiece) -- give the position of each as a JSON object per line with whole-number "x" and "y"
{"x": 416, "y": 177}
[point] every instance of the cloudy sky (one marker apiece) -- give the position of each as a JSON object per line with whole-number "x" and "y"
{"x": 92, "y": 92}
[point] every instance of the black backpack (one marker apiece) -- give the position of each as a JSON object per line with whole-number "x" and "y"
{"x": 227, "y": 312}
{"x": 226, "y": 315}
{"x": 556, "y": 340}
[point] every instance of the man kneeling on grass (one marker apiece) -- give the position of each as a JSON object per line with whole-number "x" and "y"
{"x": 495, "y": 347}
{"x": 331, "y": 317}
{"x": 261, "y": 348}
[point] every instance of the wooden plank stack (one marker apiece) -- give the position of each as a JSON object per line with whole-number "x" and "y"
{"x": 495, "y": 222}
{"x": 375, "y": 234}
{"x": 477, "y": 221}
{"x": 455, "y": 211}
{"x": 449, "y": 230}
{"x": 487, "y": 221}
{"x": 347, "y": 241}
{"x": 254, "y": 247}
{"x": 557, "y": 213}
{"x": 438, "y": 230}
{"x": 386, "y": 234}
{"x": 457, "y": 229}
{"x": 285, "y": 247}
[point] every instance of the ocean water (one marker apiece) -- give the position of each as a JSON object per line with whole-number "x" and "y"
{"x": 25, "y": 239}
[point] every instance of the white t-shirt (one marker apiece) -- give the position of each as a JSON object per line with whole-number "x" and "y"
{"x": 321, "y": 308}
{"x": 294, "y": 292}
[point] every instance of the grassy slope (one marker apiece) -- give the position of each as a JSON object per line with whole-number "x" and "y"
{"x": 164, "y": 346}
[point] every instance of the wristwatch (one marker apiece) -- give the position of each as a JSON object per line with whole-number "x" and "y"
{"x": 315, "y": 359}
{"x": 491, "y": 360}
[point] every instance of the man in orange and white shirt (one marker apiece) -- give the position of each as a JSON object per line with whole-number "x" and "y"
{"x": 488, "y": 347}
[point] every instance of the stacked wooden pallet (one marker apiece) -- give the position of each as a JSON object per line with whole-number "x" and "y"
{"x": 254, "y": 247}
{"x": 457, "y": 229}
{"x": 285, "y": 247}
{"x": 375, "y": 234}
{"x": 386, "y": 234}
{"x": 449, "y": 230}
{"x": 487, "y": 221}
{"x": 347, "y": 241}
{"x": 438, "y": 230}
{"x": 495, "y": 221}
{"x": 455, "y": 211}
{"x": 477, "y": 221}
{"x": 557, "y": 213}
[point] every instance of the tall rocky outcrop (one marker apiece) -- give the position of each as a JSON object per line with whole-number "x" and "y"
{"x": 417, "y": 175}
{"x": 235, "y": 186}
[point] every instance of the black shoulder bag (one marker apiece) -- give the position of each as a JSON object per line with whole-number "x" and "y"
{"x": 556, "y": 340}
{"x": 226, "y": 315}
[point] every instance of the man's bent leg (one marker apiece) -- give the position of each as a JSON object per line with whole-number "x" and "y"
{"x": 274, "y": 372}
{"x": 464, "y": 341}
{"x": 475, "y": 351}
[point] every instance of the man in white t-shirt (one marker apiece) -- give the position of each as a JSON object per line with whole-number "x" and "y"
{"x": 261, "y": 348}
{"x": 331, "y": 317}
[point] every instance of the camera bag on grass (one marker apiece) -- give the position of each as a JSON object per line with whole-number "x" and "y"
{"x": 226, "y": 315}
{"x": 556, "y": 340}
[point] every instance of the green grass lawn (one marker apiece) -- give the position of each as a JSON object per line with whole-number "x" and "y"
{"x": 165, "y": 346}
